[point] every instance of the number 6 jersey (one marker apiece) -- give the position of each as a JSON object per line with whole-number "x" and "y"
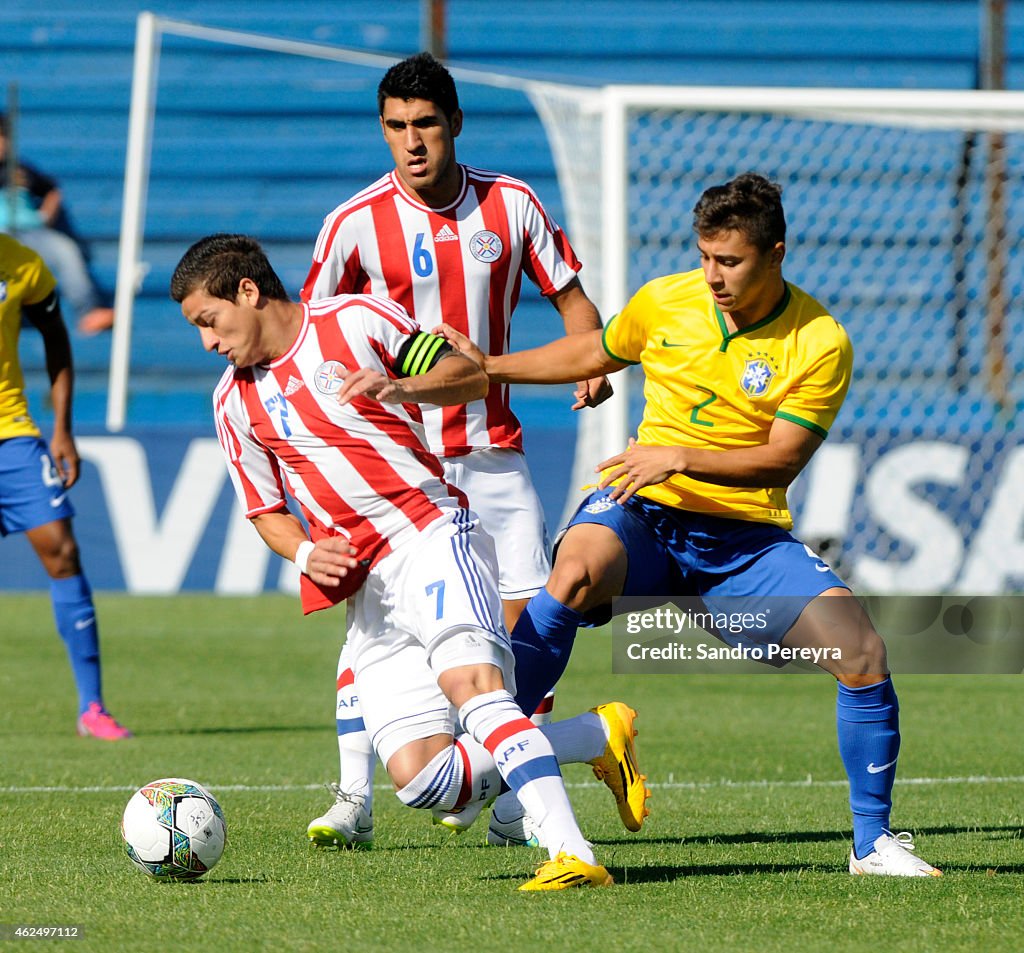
{"x": 462, "y": 264}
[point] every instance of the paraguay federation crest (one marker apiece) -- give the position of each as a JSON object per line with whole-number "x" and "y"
{"x": 329, "y": 377}
{"x": 757, "y": 376}
{"x": 485, "y": 246}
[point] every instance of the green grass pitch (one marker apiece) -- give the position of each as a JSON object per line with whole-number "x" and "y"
{"x": 745, "y": 848}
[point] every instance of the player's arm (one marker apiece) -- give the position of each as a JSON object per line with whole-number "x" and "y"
{"x": 45, "y": 315}
{"x": 429, "y": 372}
{"x": 579, "y": 314}
{"x": 575, "y": 357}
{"x": 49, "y": 208}
{"x": 326, "y": 561}
{"x": 773, "y": 464}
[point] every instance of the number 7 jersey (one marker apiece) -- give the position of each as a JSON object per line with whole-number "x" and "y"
{"x": 462, "y": 264}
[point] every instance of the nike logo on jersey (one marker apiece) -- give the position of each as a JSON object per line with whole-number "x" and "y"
{"x": 294, "y": 386}
{"x": 821, "y": 567}
{"x": 57, "y": 500}
{"x": 445, "y": 234}
{"x": 878, "y": 769}
{"x": 85, "y": 623}
{"x": 52, "y": 304}
{"x": 667, "y": 343}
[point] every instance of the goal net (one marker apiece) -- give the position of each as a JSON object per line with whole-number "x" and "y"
{"x": 904, "y": 212}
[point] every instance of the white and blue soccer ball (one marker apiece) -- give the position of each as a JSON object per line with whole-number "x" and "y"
{"x": 174, "y": 829}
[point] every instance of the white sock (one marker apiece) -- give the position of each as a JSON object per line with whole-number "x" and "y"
{"x": 438, "y": 784}
{"x": 577, "y": 740}
{"x": 527, "y": 763}
{"x": 545, "y": 710}
{"x": 480, "y": 778}
{"x": 574, "y": 741}
{"x": 356, "y": 759}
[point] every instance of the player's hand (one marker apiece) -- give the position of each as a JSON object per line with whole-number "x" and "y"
{"x": 331, "y": 560}
{"x": 366, "y": 382}
{"x": 461, "y": 343}
{"x": 593, "y": 392}
{"x": 636, "y": 467}
{"x": 65, "y": 458}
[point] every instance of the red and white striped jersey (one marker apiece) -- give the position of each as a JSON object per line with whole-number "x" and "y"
{"x": 361, "y": 470}
{"x": 462, "y": 264}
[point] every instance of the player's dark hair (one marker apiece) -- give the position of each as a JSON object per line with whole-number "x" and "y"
{"x": 218, "y": 263}
{"x": 750, "y": 204}
{"x": 419, "y": 77}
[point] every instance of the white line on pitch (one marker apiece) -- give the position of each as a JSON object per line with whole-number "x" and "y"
{"x": 808, "y": 782}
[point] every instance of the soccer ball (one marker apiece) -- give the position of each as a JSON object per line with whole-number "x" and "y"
{"x": 174, "y": 829}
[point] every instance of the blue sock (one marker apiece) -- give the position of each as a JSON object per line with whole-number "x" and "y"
{"x": 868, "y": 724}
{"x": 75, "y": 616}
{"x": 542, "y": 642}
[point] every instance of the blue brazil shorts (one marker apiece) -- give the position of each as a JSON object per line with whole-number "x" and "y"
{"x": 732, "y": 565}
{"x": 31, "y": 491}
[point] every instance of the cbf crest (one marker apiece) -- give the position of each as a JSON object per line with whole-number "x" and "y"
{"x": 758, "y": 374}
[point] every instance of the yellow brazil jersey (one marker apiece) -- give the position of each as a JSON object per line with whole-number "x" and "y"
{"x": 711, "y": 389}
{"x": 24, "y": 279}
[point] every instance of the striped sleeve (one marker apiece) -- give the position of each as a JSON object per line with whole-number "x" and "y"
{"x": 549, "y": 259}
{"x": 253, "y": 469}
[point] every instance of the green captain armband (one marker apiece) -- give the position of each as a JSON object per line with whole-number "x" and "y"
{"x": 420, "y": 353}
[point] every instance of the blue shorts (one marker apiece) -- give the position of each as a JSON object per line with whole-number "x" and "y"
{"x": 731, "y": 565}
{"x": 31, "y": 491}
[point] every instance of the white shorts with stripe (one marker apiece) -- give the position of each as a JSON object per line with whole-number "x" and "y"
{"x": 430, "y": 606}
{"x": 497, "y": 482}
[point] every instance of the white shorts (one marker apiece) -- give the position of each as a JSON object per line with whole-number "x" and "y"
{"x": 497, "y": 482}
{"x": 429, "y": 606}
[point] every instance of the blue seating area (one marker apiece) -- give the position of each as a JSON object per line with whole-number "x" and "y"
{"x": 267, "y": 144}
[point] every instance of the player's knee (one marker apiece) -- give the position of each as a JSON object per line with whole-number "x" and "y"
{"x": 865, "y": 655}
{"x": 59, "y": 555}
{"x": 409, "y": 760}
{"x": 431, "y": 783}
{"x": 589, "y": 569}
{"x": 464, "y": 682}
{"x": 578, "y": 581}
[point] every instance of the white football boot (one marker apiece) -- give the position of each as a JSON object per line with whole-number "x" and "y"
{"x": 518, "y": 830}
{"x": 459, "y": 820}
{"x": 346, "y": 823}
{"x": 893, "y": 856}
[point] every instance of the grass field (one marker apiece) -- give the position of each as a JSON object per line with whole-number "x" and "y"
{"x": 745, "y": 848}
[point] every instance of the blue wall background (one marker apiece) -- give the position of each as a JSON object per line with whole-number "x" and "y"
{"x": 268, "y": 145}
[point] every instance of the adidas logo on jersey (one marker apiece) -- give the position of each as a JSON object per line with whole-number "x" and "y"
{"x": 445, "y": 234}
{"x": 294, "y": 385}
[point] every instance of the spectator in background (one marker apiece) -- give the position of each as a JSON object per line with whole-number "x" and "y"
{"x": 40, "y": 221}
